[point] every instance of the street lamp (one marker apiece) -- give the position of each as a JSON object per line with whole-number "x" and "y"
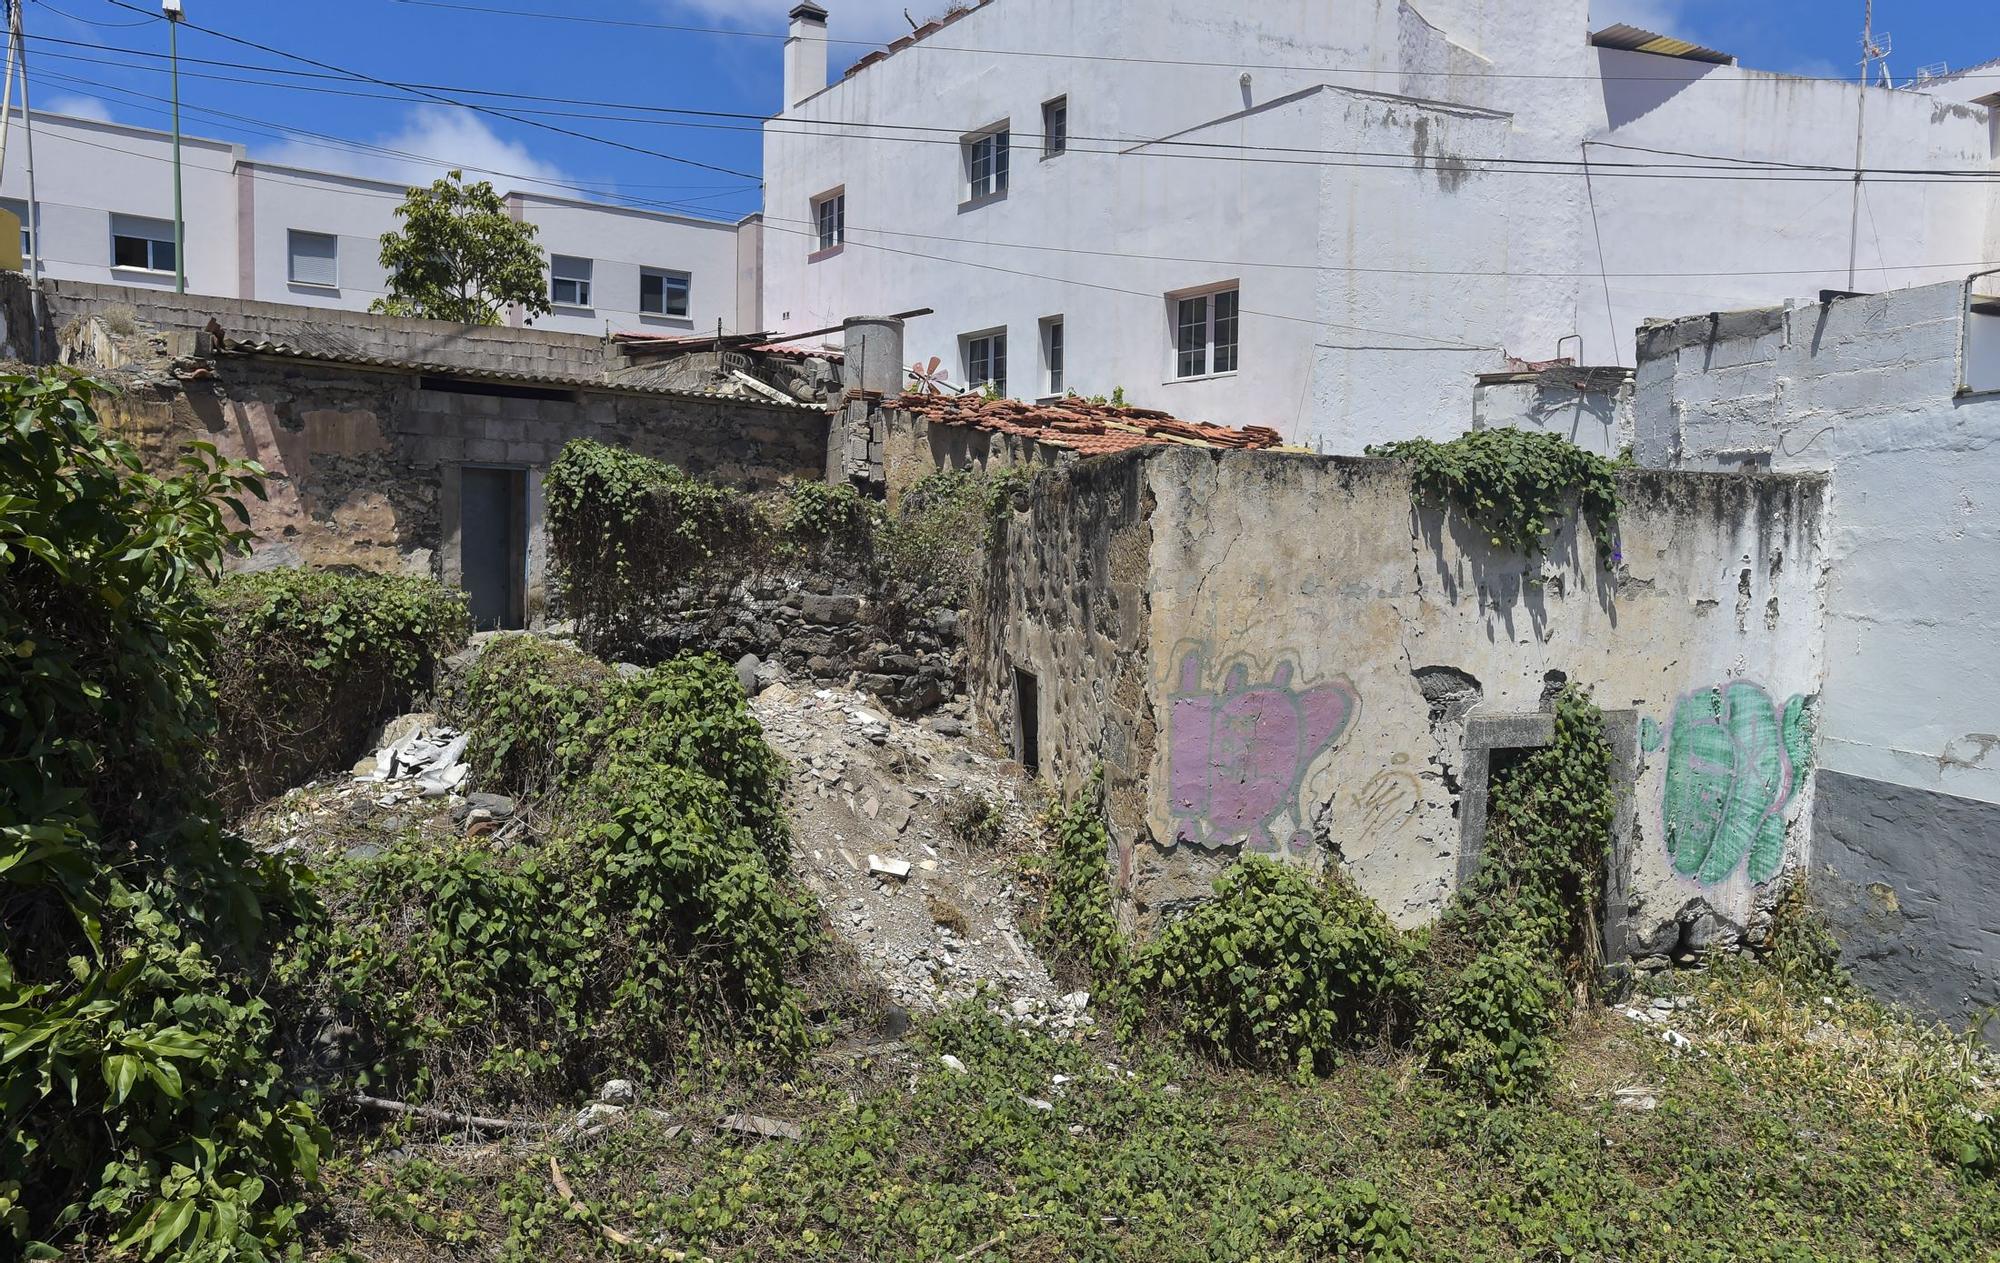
{"x": 172, "y": 9}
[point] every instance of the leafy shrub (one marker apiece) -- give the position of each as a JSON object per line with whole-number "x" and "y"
{"x": 1498, "y": 956}
{"x": 528, "y": 701}
{"x": 1514, "y": 483}
{"x": 308, "y": 662}
{"x": 942, "y": 530}
{"x": 140, "y": 1098}
{"x": 1079, "y": 928}
{"x": 1277, "y": 969}
{"x": 655, "y": 911}
{"x": 822, "y": 517}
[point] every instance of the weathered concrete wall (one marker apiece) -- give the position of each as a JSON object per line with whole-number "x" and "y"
{"x": 1871, "y": 391}
{"x": 913, "y": 449}
{"x": 1917, "y": 917}
{"x": 1324, "y": 665}
{"x": 1065, "y": 600}
{"x": 1590, "y": 407}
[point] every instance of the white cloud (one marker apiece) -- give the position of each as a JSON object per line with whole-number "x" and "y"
{"x": 877, "y": 21}
{"x": 1662, "y": 16}
{"x": 77, "y": 107}
{"x": 1819, "y": 68}
{"x": 434, "y": 139}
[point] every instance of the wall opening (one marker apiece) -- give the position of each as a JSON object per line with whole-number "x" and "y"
{"x": 493, "y": 389}
{"x": 1982, "y": 341}
{"x": 1028, "y": 721}
{"x": 493, "y": 546}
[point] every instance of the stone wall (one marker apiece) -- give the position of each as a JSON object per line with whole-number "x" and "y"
{"x": 1282, "y": 653}
{"x": 366, "y": 460}
{"x": 909, "y": 448}
{"x": 821, "y": 626}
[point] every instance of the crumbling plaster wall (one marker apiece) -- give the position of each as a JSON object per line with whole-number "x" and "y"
{"x": 1577, "y": 403}
{"x": 1868, "y": 389}
{"x": 913, "y": 449}
{"x": 1293, "y": 664}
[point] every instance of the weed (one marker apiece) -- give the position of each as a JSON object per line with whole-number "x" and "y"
{"x": 1513, "y": 483}
{"x": 974, "y": 820}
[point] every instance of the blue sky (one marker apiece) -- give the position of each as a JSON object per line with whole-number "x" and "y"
{"x": 627, "y": 56}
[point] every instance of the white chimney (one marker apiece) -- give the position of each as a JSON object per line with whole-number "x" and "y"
{"x": 805, "y": 53}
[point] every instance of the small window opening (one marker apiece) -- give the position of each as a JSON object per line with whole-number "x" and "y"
{"x": 1028, "y": 721}
{"x": 1982, "y": 342}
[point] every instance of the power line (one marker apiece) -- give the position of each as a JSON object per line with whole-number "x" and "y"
{"x": 484, "y": 109}
{"x": 927, "y": 46}
{"x": 112, "y": 26}
{"x": 1232, "y": 264}
{"x": 1760, "y": 170}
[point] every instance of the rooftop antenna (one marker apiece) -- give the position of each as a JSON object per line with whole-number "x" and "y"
{"x": 1874, "y": 48}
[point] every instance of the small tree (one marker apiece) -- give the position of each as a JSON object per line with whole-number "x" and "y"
{"x": 460, "y": 257}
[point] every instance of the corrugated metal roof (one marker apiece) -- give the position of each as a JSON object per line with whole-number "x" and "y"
{"x": 1635, "y": 39}
{"x": 334, "y": 350}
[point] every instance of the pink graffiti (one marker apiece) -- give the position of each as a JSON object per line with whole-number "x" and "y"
{"x": 1236, "y": 757}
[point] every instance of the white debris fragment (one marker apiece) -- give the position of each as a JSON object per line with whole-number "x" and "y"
{"x": 953, "y": 1064}
{"x": 889, "y": 866}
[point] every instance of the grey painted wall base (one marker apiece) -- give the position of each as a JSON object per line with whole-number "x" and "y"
{"x": 1901, "y": 873}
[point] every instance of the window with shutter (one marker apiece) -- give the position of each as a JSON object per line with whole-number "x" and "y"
{"x": 314, "y": 258}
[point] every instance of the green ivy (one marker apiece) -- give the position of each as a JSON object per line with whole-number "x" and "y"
{"x": 1278, "y": 969}
{"x": 1502, "y": 957}
{"x": 310, "y": 661}
{"x": 655, "y": 910}
{"x": 1079, "y": 928}
{"x": 1515, "y": 484}
{"x": 142, "y": 1106}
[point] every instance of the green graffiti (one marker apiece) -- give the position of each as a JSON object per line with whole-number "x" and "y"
{"x": 1733, "y": 766}
{"x": 1650, "y": 737}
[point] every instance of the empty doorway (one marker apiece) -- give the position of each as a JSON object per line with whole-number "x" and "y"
{"x": 493, "y": 545}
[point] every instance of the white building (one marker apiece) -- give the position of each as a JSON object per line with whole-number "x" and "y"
{"x": 259, "y": 230}
{"x": 1329, "y": 217}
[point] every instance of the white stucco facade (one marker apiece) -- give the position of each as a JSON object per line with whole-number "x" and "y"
{"x": 1395, "y": 188}
{"x": 243, "y": 216}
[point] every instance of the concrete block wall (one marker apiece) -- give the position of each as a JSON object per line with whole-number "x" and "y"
{"x": 1871, "y": 392}
{"x": 1284, "y": 654}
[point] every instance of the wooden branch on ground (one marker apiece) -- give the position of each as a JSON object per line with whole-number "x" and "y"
{"x": 474, "y": 1121}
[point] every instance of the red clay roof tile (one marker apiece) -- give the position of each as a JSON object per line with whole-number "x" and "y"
{"x": 1086, "y": 428}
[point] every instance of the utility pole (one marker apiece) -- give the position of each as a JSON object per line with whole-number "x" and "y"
{"x": 17, "y": 53}
{"x": 172, "y": 9}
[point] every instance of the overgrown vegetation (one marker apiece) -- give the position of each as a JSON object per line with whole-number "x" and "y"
{"x": 653, "y": 917}
{"x": 310, "y": 661}
{"x": 142, "y": 1105}
{"x": 1514, "y": 485}
{"x": 626, "y": 530}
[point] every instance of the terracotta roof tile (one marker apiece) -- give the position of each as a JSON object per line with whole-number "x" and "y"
{"x": 1086, "y": 428}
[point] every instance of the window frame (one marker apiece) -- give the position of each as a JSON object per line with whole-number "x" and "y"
{"x": 996, "y": 143}
{"x": 1055, "y": 356}
{"x": 995, "y": 340}
{"x": 1207, "y": 344}
{"x": 823, "y": 245}
{"x": 666, "y": 278}
{"x": 291, "y": 258}
{"x": 1055, "y": 127}
{"x": 153, "y": 244}
{"x": 584, "y": 284}
{"x": 27, "y": 229}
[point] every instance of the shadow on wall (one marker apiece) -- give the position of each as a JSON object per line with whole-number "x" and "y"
{"x": 1629, "y": 96}
{"x": 1503, "y": 580}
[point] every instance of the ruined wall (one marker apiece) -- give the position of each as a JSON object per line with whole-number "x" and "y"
{"x": 912, "y": 449}
{"x": 1882, "y": 393}
{"x": 365, "y": 462}
{"x": 1065, "y": 600}
{"x": 1324, "y": 671}
{"x": 1591, "y": 407}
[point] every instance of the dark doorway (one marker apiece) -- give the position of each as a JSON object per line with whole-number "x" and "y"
{"x": 1028, "y": 721}
{"x": 493, "y": 546}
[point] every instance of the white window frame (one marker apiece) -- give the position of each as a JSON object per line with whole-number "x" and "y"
{"x": 829, "y": 235}
{"x": 667, "y": 277}
{"x": 580, "y": 294}
{"x": 986, "y": 160}
{"x": 1055, "y": 127}
{"x": 995, "y": 348}
{"x": 292, "y": 258}
{"x": 152, "y": 240}
{"x": 1055, "y": 356}
{"x": 1203, "y": 328}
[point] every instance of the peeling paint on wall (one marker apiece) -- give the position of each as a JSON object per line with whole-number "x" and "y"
{"x": 1733, "y": 766}
{"x": 1239, "y": 751}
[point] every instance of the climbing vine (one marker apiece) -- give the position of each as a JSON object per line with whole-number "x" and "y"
{"x": 1515, "y": 484}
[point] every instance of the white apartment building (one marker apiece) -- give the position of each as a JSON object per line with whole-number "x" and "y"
{"x": 1329, "y": 216}
{"x": 259, "y": 230}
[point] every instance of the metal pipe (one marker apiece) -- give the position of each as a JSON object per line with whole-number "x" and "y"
{"x": 173, "y": 12}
